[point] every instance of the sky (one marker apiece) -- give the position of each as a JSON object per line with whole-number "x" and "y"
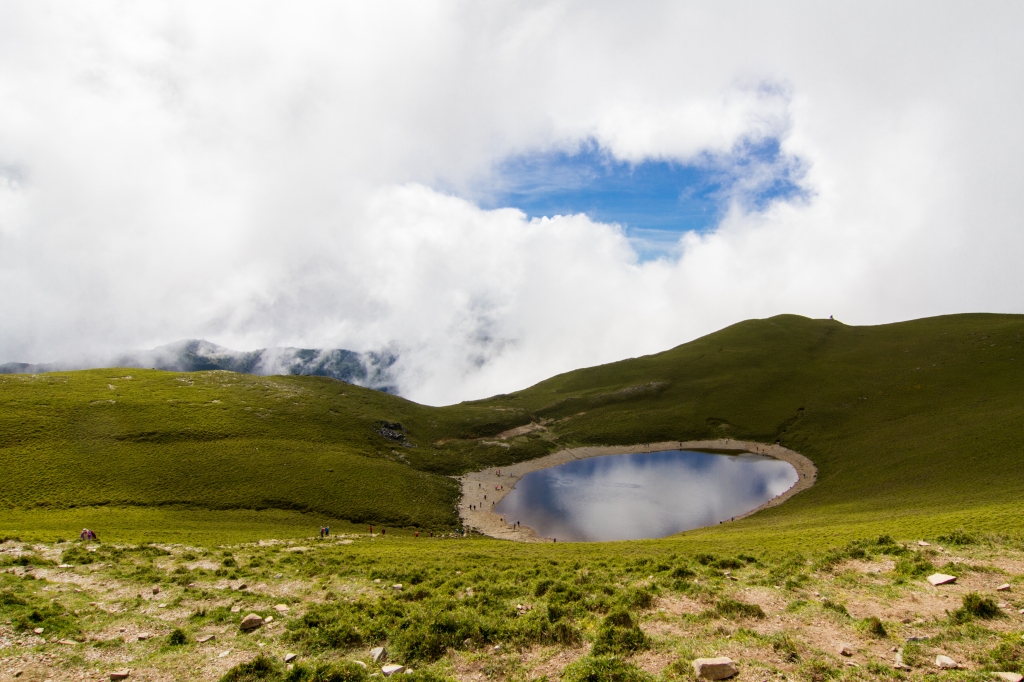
{"x": 499, "y": 192}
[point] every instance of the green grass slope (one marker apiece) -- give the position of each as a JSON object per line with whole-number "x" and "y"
{"x": 916, "y": 425}
{"x": 911, "y": 421}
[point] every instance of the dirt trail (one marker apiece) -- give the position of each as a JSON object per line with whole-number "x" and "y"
{"x": 489, "y": 483}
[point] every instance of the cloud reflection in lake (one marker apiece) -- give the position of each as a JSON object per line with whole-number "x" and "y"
{"x": 643, "y": 495}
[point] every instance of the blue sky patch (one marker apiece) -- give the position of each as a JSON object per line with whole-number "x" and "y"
{"x": 655, "y": 201}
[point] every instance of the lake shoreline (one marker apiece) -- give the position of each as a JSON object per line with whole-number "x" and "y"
{"x": 485, "y": 488}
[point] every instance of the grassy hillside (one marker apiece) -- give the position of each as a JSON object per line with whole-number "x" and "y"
{"x": 914, "y": 426}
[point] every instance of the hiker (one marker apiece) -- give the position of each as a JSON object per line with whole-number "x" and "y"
{"x": 417, "y": 533}
{"x": 84, "y": 535}
{"x": 327, "y": 530}
{"x": 383, "y": 531}
{"x": 371, "y": 531}
{"x": 321, "y": 532}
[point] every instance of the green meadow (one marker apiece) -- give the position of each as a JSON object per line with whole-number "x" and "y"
{"x": 206, "y": 489}
{"x": 915, "y": 427}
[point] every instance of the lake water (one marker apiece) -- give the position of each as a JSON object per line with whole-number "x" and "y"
{"x": 643, "y": 495}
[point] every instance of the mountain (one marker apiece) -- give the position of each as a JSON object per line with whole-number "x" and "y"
{"x": 372, "y": 370}
{"x": 916, "y": 428}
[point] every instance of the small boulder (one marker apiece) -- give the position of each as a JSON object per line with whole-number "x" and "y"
{"x": 945, "y": 662}
{"x": 378, "y": 654}
{"x": 236, "y": 608}
{"x": 206, "y": 638}
{"x": 120, "y": 674}
{"x": 268, "y": 620}
{"x": 392, "y": 669}
{"x": 282, "y": 608}
{"x": 156, "y": 590}
{"x": 397, "y": 587}
{"x": 224, "y": 654}
{"x": 846, "y": 650}
{"x": 1005, "y": 587}
{"x": 38, "y": 631}
{"x": 1010, "y": 677}
{"x": 251, "y": 622}
{"x": 721, "y": 668}
{"x": 922, "y": 543}
{"x": 941, "y": 579}
{"x": 288, "y": 658}
{"x": 243, "y": 586}
{"x": 143, "y": 636}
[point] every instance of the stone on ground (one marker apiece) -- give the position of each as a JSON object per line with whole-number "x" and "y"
{"x": 206, "y": 638}
{"x": 378, "y": 654}
{"x": 941, "y": 579}
{"x": 945, "y": 662}
{"x": 360, "y": 664}
{"x": 392, "y": 669}
{"x": 143, "y": 636}
{"x": 720, "y": 668}
{"x": 1010, "y": 677}
{"x": 397, "y": 587}
{"x": 38, "y": 631}
{"x": 1005, "y": 587}
{"x": 251, "y": 622}
{"x": 120, "y": 674}
{"x": 846, "y": 650}
{"x": 288, "y": 658}
{"x": 236, "y": 608}
{"x": 922, "y": 543}
{"x": 281, "y": 608}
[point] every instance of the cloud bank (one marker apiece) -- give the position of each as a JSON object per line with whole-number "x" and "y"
{"x": 261, "y": 175}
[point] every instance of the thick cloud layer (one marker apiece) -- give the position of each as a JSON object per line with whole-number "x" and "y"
{"x": 271, "y": 175}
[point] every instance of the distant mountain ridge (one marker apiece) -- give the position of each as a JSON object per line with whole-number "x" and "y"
{"x": 372, "y": 369}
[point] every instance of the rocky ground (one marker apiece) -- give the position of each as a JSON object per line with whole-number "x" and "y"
{"x": 865, "y": 611}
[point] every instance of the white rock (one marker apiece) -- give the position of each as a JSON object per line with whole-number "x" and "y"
{"x": 1010, "y": 677}
{"x": 391, "y": 669}
{"x": 251, "y": 622}
{"x": 720, "y": 668}
{"x": 120, "y": 674}
{"x": 378, "y": 654}
{"x": 288, "y": 658}
{"x": 1005, "y": 587}
{"x": 397, "y": 586}
{"x": 941, "y": 579}
{"x": 206, "y": 638}
{"x": 236, "y": 608}
{"x": 846, "y": 650}
{"x": 224, "y": 654}
{"x": 38, "y": 631}
{"x": 268, "y": 620}
{"x": 922, "y": 543}
{"x": 143, "y": 636}
{"x": 282, "y": 608}
{"x": 945, "y": 662}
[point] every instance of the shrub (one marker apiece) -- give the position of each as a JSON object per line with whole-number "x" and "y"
{"x": 177, "y": 637}
{"x": 258, "y": 669}
{"x": 975, "y": 606}
{"x": 604, "y": 669}
{"x": 784, "y": 645}
{"x": 958, "y": 537}
{"x": 733, "y": 609}
{"x": 834, "y": 606}
{"x": 915, "y": 565}
{"x": 618, "y": 634}
{"x": 343, "y": 671}
{"x": 874, "y": 627}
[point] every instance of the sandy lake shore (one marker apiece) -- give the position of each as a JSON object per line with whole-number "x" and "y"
{"x": 484, "y": 489}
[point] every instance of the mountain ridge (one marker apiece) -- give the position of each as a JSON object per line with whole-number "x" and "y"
{"x": 369, "y": 369}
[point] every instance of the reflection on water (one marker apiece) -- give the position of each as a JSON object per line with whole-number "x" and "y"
{"x": 645, "y": 495}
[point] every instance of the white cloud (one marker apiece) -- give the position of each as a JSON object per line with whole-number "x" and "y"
{"x": 259, "y": 174}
